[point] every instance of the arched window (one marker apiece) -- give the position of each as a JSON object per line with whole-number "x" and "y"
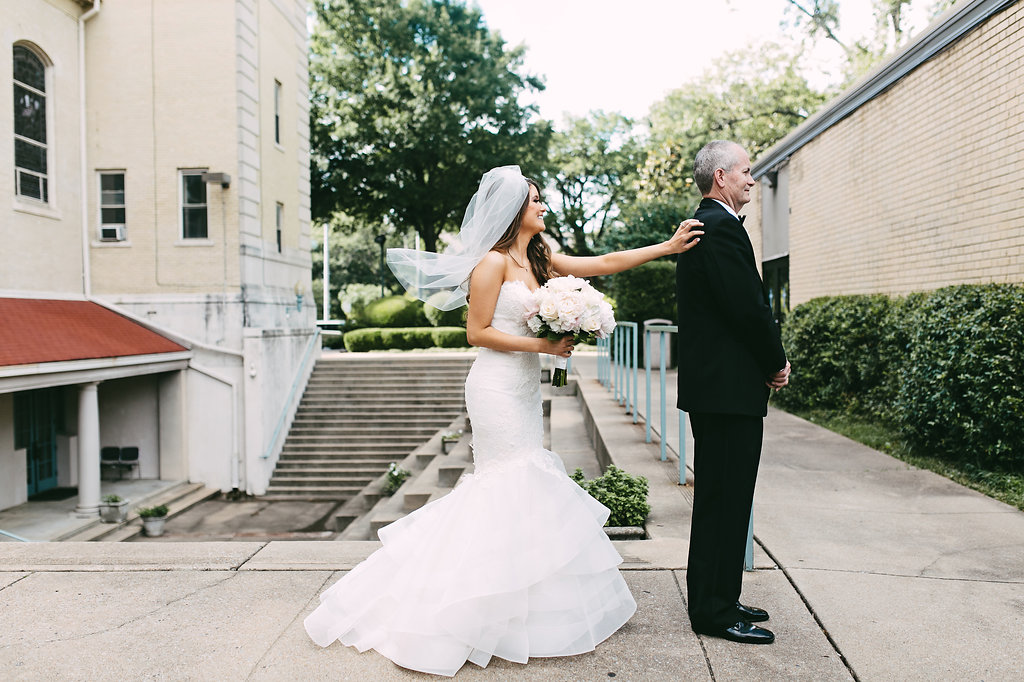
{"x": 30, "y": 173}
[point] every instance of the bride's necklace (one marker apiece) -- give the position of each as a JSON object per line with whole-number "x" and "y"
{"x": 515, "y": 261}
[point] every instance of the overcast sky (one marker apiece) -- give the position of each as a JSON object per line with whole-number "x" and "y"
{"x": 624, "y": 55}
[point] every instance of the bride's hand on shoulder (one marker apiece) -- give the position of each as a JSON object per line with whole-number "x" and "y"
{"x": 685, "y": 237}
{"x": 562, "y": 347}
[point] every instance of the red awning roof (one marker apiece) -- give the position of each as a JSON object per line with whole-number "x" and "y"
{"x": 36, "y": 330}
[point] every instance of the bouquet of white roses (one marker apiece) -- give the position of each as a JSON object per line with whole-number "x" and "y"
{"x": 569, "y": 306}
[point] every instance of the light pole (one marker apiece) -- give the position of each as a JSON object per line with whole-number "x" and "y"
{"x": 380, "y": 239}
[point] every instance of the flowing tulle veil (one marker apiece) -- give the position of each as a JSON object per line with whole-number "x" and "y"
{"x": 492, "y": 209}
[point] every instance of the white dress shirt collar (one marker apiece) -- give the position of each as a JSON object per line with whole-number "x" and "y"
{"x": 728, "y": 208}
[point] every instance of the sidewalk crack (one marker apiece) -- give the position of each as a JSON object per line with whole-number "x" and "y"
{"x": 270, "y": 647}
{"x": 810, "y": 610}
{"x": 704, "y": 650}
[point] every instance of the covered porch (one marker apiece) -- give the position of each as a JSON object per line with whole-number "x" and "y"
{"x": 75, "y": 377}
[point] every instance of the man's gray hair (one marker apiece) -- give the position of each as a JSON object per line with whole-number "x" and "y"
{"x": 716, "y": 154}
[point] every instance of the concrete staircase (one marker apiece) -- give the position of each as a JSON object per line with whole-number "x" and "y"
{"x": 359, "y": 413}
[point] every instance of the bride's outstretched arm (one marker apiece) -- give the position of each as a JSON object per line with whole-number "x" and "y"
{"x": 684, "y": 239}
{"x": 484, "y": 287}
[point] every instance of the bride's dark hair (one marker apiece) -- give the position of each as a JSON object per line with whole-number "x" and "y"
{"x": 537, "y": 251}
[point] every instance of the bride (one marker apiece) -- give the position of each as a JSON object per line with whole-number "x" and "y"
{"x": 513, "y": 562}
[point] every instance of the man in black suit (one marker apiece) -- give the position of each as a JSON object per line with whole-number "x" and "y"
{"x": 731, "y": 358}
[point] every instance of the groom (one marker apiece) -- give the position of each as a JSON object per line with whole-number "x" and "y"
{"x": 731, "y": 357}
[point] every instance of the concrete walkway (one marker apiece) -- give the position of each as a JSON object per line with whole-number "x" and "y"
{"x": 871, "y": 569}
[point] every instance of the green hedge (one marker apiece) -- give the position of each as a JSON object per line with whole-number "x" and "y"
{"x": 963, "y": 378}
{"x": 944, "y": 367}
{"x": 645, "y": 292}
{"x": 394, "y": 311}
{"x": 405, "y": 338}
{"x": 443, "y": 318}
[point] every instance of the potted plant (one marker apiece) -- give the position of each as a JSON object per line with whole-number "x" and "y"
{"x": 449, "y": 439}
{"x": 113, "y": 509}
{"x": 153, "y": 519}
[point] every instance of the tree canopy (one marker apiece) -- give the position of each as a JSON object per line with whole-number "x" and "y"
{"x": 593, "y": 169}
{"x": 411, "y": 103}
{"x": 753, "y": 100}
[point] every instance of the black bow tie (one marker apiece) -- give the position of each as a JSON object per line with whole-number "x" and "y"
{"x": 742, "y": 217}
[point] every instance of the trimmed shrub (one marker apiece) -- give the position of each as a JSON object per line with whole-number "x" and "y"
{"x": 944, "y": 367}
{"x": 449, "y": 337}
{"x": 443, "y": 318}
{"x": 394, "y": 311}
{"x": 360, "y": 340}
{"x": 623, "y": 494}
{"x": 356, "y": 297}
{"x": 962, "y": 385}
{"x": 840, "y": 347}
{"x": 404, "y": 338}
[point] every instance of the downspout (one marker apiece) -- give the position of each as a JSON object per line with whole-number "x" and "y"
{"x": 86, "y": 274}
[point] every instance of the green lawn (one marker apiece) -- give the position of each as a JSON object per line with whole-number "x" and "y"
{"x": 1006, "y": 487}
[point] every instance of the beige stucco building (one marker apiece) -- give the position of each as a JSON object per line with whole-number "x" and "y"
{"x": 157, "y": 165}
{"x": 912, "y": 179}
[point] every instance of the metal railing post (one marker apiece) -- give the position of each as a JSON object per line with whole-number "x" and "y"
{"x": 682, "y": 448}
{"x": 636, "y": 341}
{"x": 647, "y": 382}
{"x": 748, "y": 558}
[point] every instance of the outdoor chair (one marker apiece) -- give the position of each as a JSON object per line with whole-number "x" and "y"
{"x": 110, "y": 460}
{"x": 129, "y": 459}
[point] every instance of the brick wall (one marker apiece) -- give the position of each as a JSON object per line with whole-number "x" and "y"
{"x": 923, "y": 186}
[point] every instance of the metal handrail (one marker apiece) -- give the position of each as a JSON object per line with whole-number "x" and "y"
{"x": 291, "y": 395}
{"x": 14, "y": 537}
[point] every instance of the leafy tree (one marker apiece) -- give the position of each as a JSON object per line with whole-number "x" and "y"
{"x": 355, "y": 259}
{"x": 411, "y": 102}
{"x": 820, "y": 18}
{"x": 755, "y": 101}
{"x": 593, "y": 164}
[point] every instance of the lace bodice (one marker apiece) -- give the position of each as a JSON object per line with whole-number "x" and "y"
{"x": 509, "y": 309}
{"x": 503, "y": 391}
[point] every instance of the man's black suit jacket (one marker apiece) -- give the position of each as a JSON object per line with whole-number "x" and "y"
{"x": 729, "y": 342}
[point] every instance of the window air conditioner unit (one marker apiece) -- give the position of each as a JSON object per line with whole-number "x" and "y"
{"x": 114, "y": 233}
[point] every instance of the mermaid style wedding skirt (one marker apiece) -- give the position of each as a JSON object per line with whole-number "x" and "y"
{"x": 512, "y": 563}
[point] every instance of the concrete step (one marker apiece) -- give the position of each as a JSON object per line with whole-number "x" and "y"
{"x": 336, "y": 464}
{"x": 328, "y": 472}
{"x": 343, "y": 445}
{"x": 340, "y": 482}
{"x": 354, "y": 431}
{"x": 334, "y": 453}
{"x": 332, "y": 492}
{"x": 177, "y": 499}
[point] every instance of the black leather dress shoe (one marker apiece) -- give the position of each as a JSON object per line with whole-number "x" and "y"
{"x": 741, "y": 632}
{"x": 751, "y": 614}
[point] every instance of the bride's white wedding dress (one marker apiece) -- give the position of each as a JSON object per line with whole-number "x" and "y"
{"x": 512, "y": 563}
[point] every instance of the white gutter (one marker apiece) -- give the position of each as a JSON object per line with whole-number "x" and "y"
{"x": 86, "y": 274}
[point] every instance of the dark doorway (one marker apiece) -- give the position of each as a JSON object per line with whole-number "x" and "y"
{"x": 776, "y": 281}
{"x": 36, "y": 417}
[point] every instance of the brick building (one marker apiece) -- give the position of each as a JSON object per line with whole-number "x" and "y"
{"x": 912, "y": 179}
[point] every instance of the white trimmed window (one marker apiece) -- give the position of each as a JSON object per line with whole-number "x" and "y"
{"x": 279, "y": 221}
{"x": 277, "y": 112}
{"x": 193, "y": 205}
{"x": 112, "y": 213}
{"x": 31, "y": 179}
